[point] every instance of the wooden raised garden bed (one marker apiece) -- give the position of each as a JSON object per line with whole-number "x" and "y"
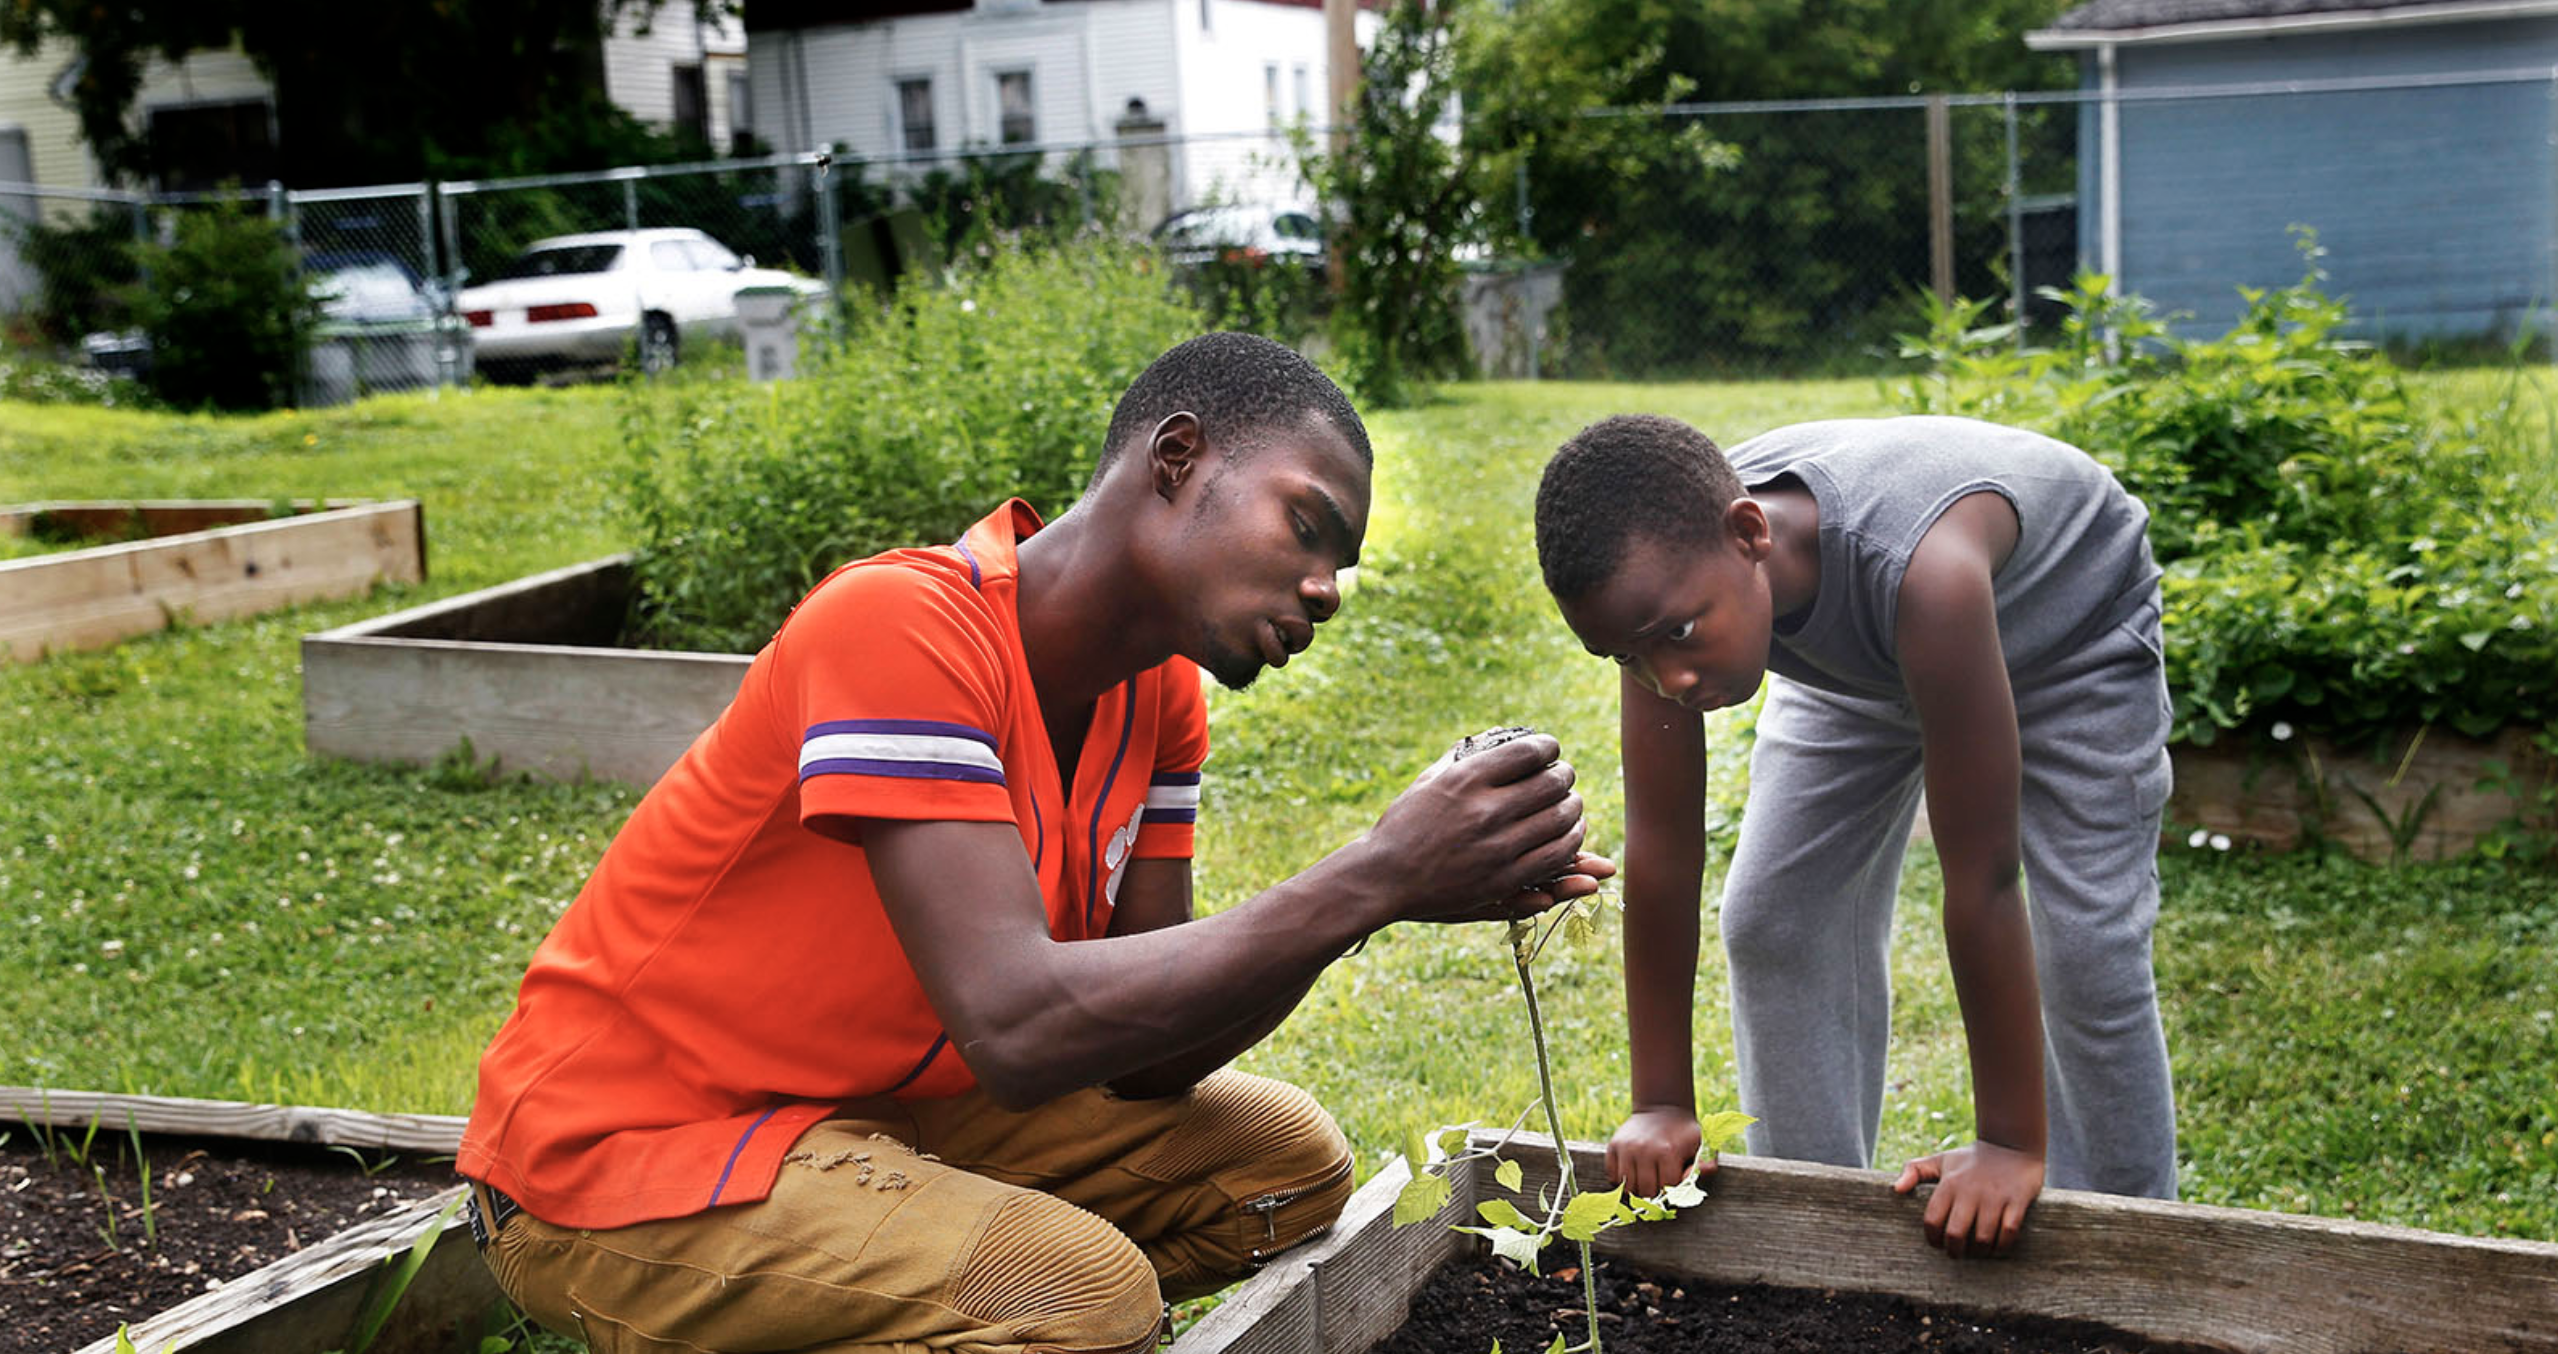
{"x": 526, "y": 671}
{"x": 311, "y": 1299}
{"x": 2436, "y": 790}
{"x": 2221, "y": 1277}
{"x": 197, "y": 561}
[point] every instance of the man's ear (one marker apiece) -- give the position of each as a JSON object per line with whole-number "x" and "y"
{"x": 1173, "y": 452}
{"x": 1746, "y": 523}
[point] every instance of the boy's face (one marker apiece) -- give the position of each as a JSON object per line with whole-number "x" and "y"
{"x": 1690, "y": 623}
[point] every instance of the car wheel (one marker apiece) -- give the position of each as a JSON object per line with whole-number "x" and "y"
{"x": 657, "y": 344}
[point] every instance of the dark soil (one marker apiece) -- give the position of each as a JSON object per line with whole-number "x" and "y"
{"x": 220, "y": 1208}
{"x": 1470, "y": 1303}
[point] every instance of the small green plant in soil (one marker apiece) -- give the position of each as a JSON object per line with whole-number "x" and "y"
{"x": 1575, "y": 1214}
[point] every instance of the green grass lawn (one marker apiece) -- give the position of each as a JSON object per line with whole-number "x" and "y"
{"x": 192, "y": 906}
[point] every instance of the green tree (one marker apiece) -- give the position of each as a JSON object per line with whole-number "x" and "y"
{"x": 1736, "y": 241}
{"x": 378, "y": 92}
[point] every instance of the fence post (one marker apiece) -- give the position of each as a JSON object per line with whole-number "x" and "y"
{"x": 1940, "y": 198}
{"x": 434, "y": 232}
{"x": 830, "y": 233}
{"x": 2015, "y": 226}
{"x": 630, "y": 204}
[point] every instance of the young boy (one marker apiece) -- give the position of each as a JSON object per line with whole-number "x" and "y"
{"x": 1946, "y": 605}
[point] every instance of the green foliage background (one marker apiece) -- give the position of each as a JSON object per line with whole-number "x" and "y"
{"x": 932, "y": 409}
{"x": 2335, "y": 556}
{"x": 227, "y": 310}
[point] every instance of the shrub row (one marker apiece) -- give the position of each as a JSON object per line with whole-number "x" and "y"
{"x": 925, "y": 414}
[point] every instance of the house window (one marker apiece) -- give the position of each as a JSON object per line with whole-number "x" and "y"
{"x": 1012, "y": 106}
{"x": 692, "y": 98}
{"x": 1270, "y": 91}
{"x": 202, "y": 146}
{"x": 915, "y": 113}
{"x": 1305, "y": 100}
{"x": 741, "y": 114}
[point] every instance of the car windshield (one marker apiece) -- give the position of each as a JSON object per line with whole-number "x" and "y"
{"x": 563, "y": 260}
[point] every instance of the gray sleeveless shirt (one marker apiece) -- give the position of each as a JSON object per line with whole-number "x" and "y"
{"x": 2081, "y": 564}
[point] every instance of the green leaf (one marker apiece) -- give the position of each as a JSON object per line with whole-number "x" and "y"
{"x": 1421, "y": 1198}
{"x": 1593, "y": 1212}
{"x": 1511, "y": 1244}
{"x": 1558, "y": 1347}
{"x": 2474, "y": 640}
{"x": 1503, "y": 1213}
{"x": 1723, "y": 1128}
{"x": 1685, "y": 1194}
{"x": 1511, "y": 1177}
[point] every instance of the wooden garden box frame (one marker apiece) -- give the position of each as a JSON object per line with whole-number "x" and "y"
{"x": 526, "y": 671}
{"x": 226, "y": 558}
{"x": 2242, "y": 1279}
{"x": 308, "y": 1301}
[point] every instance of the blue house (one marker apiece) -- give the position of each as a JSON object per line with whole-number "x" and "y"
{"x": 2418, "y": 137}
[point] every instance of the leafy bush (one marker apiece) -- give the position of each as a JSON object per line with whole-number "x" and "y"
{"x": 933, "y": 409}
{"x": 84, "y": 269}
{"x": 2331, "y": 556}
{"x": 227, "y": 310}
{"x": 31, "y": 380}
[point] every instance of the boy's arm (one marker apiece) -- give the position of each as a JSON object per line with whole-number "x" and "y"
{"x": 1957, "y": 678}
{"x": 1663, "y": 747}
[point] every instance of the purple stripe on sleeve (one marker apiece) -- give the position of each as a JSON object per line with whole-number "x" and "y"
{"x": 1175, "y": 778}
{"x": 976, "y": 576}
{"x": 1172, "y": 815}
{"x": 927, "y": 727}
{"x": 865, "y": 766}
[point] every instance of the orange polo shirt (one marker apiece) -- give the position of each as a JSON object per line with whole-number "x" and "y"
{"x": 728, "y": 975}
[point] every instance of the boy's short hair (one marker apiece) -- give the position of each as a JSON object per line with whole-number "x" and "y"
{"x": 1238, "y": 385}
{"x": 1629, "y": 476}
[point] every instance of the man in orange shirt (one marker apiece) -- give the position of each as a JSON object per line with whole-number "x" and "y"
{"x": 884, "y": 1024}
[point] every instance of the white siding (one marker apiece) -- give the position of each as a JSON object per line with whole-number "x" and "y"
{"x": 1224, "y": 65}
{"x": 639, "y": 68}
{"x": 61, "y": 158}
{"x": 821, "y": 87}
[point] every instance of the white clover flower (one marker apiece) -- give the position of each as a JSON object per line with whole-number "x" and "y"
{"x": 2282, "y": 731}
{"x": 2202, "y": 835}
{"x": 968, "y": 305}
{"x": 2220, "y": 841}
{"x": 113, "y": 949}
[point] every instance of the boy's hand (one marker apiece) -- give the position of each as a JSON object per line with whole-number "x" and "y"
{"x": 1653, "y": 1148}
{"x": 1981, "y": 1196}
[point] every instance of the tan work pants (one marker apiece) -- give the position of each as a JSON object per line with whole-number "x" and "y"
{"x": 956, "y": 1225}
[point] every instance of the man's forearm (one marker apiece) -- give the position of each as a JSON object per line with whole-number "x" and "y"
{"x": 1176, "y": 1074}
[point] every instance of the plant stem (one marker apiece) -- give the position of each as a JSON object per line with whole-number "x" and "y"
{"x": 1520, "y": 934}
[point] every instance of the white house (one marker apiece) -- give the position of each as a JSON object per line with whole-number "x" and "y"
{"x": 901, "y": 82}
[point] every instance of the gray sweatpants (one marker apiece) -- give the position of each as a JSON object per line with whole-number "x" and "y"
{"x": 1807, "y": 913}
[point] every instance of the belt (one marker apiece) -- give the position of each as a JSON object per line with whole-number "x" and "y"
{"x": 487, "y": 1219}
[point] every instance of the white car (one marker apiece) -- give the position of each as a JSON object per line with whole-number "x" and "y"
{"x": 584, "y": 300}
{"x": 1251, "y": 233}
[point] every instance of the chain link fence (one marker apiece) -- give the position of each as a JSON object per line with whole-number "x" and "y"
{"x": 1804, "y": 240}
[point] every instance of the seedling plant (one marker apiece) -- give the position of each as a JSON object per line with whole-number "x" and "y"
{"x": 1568, "y": 1211}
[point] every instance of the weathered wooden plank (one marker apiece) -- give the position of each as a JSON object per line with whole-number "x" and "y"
{"x": 232, "y": 1119}
{"x": 1347, "y": 1289}
{"x": 375, "y": 691}
{"x": 2432, "y": 779}
{"x": 311, "y": 1300}
{"x": 2238, "y": 1278}
{"x": 158, "y": 516}
{"x": 85, "y": 599}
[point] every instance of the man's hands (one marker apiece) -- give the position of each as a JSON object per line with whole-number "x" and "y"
{"x": 1493, "y": 836}
{"x": 1981, "y": 1196}
{"x": 1653, "y": 1148}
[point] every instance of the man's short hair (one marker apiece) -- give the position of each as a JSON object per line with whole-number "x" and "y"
{"x": 1239, "y": 385}
{"x": 1623, "y": 478}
